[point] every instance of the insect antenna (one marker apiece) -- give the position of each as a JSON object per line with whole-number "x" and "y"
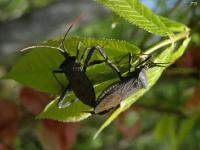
{"x": 151, "y": 65}
{"x": 62, "y": 44}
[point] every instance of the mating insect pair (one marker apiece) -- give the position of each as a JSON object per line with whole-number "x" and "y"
{"x": 128, "y": 85}
{"x": 83, "y": 88}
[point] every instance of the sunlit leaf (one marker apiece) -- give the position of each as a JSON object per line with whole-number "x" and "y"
{"x": 138, "y": 14}
{"x": 174, "y": 26}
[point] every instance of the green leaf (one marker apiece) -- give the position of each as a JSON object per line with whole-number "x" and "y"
{"x": 174, "y": 26}
{"x": 34, "y": 69}
{"x": 166, "y": 56}
{"x": 138, "y": 14}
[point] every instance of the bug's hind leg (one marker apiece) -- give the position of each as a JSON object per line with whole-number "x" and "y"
{"x": 109, "y": 110}
{"x": 61, "y": 103}
{"x": 103, "y": 112}
{"x": 101, "y": 51}
{"x": 94, "y": 62}
{"x": 149, "y": 56}
{"x": 78, "y": 49}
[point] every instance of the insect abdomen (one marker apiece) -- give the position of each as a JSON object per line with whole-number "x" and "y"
{"x": 80, "y": 84}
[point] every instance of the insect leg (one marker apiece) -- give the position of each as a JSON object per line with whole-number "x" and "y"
{"x": 62, "y": 97}
{"x": 118, "y": 61}
{"x": 54, "y": 75}
{"x": 106, "y": 111}
{"x": 100, "y": 50}
{"x": 101, "y": 113}
{"x": 130, "y": 56}
{"x": 84, "y": 52}
{"x": 158, "y": 64}
{"x": 149, "y": 56}
{"x": 94, "y": 62}
{"x": 129, "y": 62}
{"x": 60, "y": 103}
{"x": 67, "y": 104}
{"x": 78, "y": 49}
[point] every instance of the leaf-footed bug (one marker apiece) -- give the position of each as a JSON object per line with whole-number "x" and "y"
{"x": 79, "y": 83}
{"x": 117, "y": 92}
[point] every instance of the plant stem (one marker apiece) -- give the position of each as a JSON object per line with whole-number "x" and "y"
{"x": 163, "y": 43}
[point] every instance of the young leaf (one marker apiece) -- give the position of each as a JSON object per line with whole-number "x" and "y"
{"x": 169, "y": 55}
{"x": 138, "y": 14}
{"x": 174, "y": 26}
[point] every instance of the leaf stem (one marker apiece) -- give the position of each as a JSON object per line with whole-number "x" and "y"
{"x": 163, "y": 43}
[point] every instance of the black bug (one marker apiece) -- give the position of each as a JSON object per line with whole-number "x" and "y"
{"x": 117, "y": 92}
{"x": 79, "y": 83}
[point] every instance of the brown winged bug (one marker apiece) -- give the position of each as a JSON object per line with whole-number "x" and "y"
{"x": 117, "y": 92}
{"x": 79, "y": 83}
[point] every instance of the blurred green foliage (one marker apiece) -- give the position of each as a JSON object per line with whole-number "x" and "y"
{"x": 12, "y": 9}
